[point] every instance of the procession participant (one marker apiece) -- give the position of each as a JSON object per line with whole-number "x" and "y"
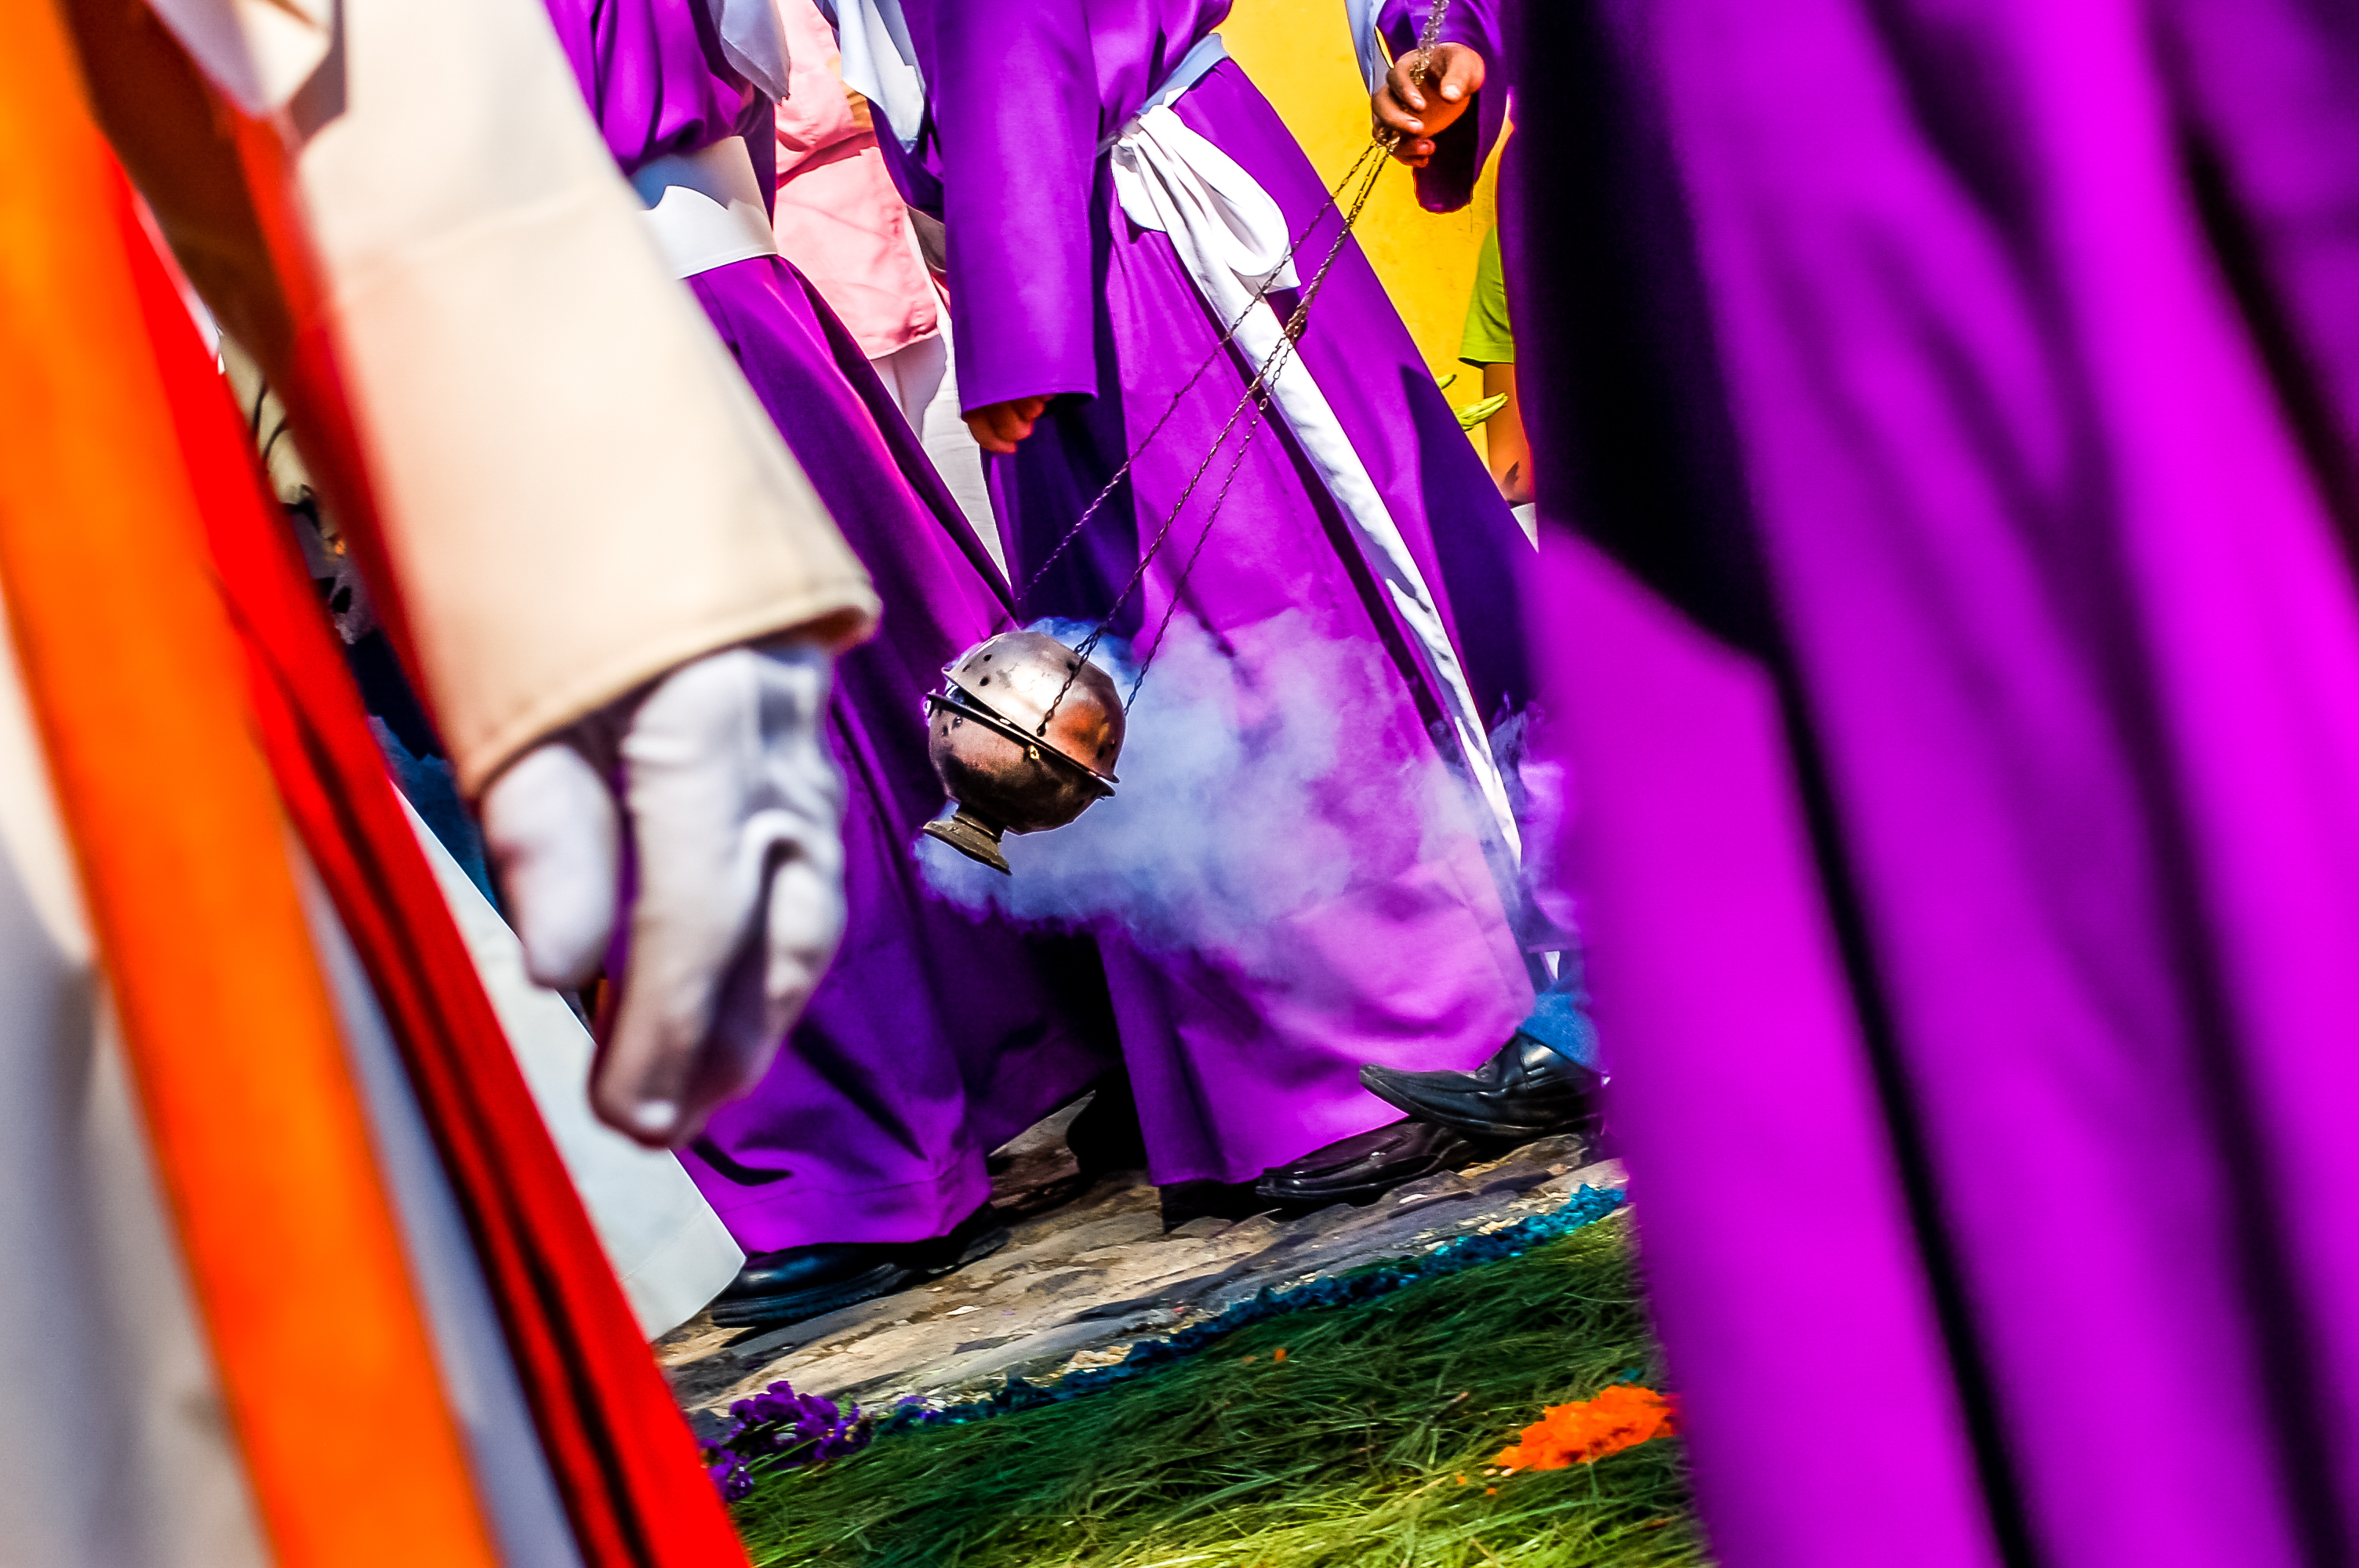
{"x": 842, "y": 222}
{"x": 1433, "y": 100}
{"x": 1430, "y": 104}
{"x": 360, "y": 1189}
{"x": 857, "y": 1167}
{"x": 1487, "y": 343}
{"x": 1339, "y": 541}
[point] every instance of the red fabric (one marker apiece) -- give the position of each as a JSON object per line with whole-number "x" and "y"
{"x": 623, "y": 1458}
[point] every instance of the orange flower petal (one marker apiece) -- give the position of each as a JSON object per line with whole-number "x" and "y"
{"x": 1586, "y": 1431}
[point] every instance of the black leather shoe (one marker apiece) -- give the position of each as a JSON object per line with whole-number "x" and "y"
{"x": 1186, "y": 1201}
{"x": 1107, "y": 1137}
{"x": 1526, "y": 1091}
{"x": 1362, "y": 1168}
{"x": 795, "y": 1283}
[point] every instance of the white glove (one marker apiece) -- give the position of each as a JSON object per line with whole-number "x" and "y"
{"x": 736, "y": 811}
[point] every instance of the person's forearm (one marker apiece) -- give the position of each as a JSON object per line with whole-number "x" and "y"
{"x": 1509, "y": 454}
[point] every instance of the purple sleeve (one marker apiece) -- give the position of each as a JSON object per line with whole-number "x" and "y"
{"x": 1448, "y": 183}
{"x": 1016, "y": 118}
{"x": 652, "y": 73}
{"x": 919, "y": 186}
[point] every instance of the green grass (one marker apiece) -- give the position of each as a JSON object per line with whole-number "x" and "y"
{"x": 1345, "y": 1454}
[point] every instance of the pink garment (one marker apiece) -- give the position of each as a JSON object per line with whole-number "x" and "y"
{"x": 838, "y": 219}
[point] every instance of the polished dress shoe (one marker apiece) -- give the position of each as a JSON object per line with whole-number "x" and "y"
{"x": 1526, "y": 1091}
{"x": 1105, "y": 1137}
{"x": 796, "y": 1282}
{"x": 1365, "y": 1167}
{"x": 1184, "y": 1202}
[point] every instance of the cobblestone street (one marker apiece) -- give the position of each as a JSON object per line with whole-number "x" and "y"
{"x": 1089, "y": 1271}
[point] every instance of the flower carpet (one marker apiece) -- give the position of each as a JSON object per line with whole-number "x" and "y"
{"x": 1374, "y": 1425}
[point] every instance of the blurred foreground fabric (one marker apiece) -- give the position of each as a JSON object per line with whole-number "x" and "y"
{"x": 297, "y": 1274}
{"x": 1943, "y": 419}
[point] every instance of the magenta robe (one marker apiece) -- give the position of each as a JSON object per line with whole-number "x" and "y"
{"x": 1411, "y": 960}
{"x": 1944, "y": 420}
{"x": 936, "y": 1035}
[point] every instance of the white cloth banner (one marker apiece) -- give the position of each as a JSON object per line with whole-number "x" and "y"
{"x": 257, "y": 51}
{"x": 1231, "y": 235}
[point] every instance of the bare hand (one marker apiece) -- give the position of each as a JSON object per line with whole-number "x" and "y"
{"x": 997, "y": 427}
{"x": 1417, "y": 114}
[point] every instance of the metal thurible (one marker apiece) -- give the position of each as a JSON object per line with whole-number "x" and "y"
{"x": 1023, "y": 735}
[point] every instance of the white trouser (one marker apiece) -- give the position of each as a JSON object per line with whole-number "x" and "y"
{"x": 668, "y": 1247}
{"x": 923, "y": 379}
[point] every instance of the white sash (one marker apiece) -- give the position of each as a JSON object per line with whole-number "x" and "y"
{"x": 1193, "y": 67}
{"x": 706, "y": 207}
{"x": 1360, "y": 16}
{"x": 876, "y": 60}
{"x": 753, "y": 42}
{"x": 260, "y": 52}
{"x": 1232, "y": 237}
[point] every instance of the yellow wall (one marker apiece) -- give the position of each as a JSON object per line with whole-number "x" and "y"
{"x": 1298, "y": 52}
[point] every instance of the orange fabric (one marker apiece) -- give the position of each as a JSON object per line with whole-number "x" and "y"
{"x": 224, "y": 190}
{"x": 139, "y": 688}
{"x": 623, "y": 1459}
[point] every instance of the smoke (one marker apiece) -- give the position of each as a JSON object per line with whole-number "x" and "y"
{"x": 1237, "y": 806}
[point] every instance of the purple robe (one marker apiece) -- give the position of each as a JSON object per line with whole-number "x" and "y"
{"x": 936, "y": 1035}
{"x": 1235, "y": 1067}
{"x": 1447, "y": 181}
{"x": 1943, "y": 420}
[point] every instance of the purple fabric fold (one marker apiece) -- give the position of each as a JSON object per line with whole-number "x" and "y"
{"x": 935, "y": 1035}
{"x": 652, "y": 72}
{"x": 1238, "y": 1062}
{"x": 1899, "y": 365}
{"x": 1035, "y": 151}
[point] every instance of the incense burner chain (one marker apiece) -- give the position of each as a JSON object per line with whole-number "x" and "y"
{"x": 1026, "y": 732}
